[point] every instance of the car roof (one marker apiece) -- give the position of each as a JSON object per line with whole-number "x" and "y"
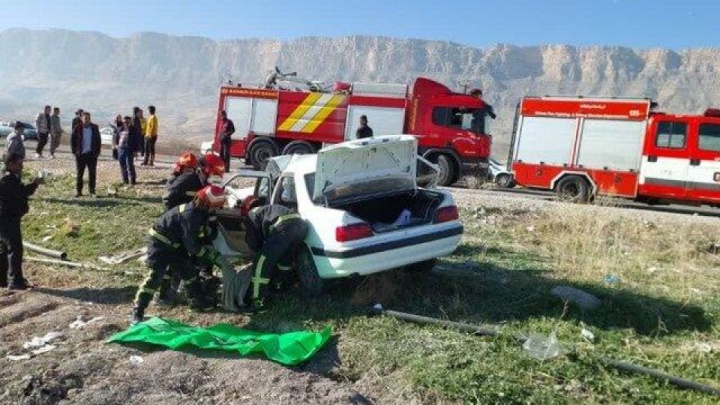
{"x": 300, "y": 163}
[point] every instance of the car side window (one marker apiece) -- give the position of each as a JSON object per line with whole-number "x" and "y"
{"x": 286, "y": 194}
{"x": 671, "y": 135}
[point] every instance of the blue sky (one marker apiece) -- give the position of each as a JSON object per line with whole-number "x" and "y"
{"x": 673, "y": 24}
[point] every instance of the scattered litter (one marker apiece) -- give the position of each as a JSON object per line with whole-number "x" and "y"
{"x": 587, "y": 334}
{"x": 583, "y": 299}
{"x": 136, "y": 360}
{"x": 70, "y": 228}
{"x": 696, "y": 291}
{"x": 112, "y": 191}
{"x": 611, "y": 279}
{"x": 703, "y": 347}
{"x": 124, "y": 256}
{"x": 38, "y": 342}
{"x": 530, "y": 228}
{"x": 652, "y": 270}
{"x": 44, "y": 349}
{"x": 80, "y": 323}
{"x": 47, "y": 238}
{"x": 19, "y": 357}
{"x": 542, "y": 347}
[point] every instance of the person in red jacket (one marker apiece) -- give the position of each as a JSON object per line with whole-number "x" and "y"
{"x": 85, "y": 145}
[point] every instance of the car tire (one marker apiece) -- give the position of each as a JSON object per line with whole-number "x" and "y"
{"x": 260, "y": 151}
{"x": 573, "y": 189}
{"x": 447, "y": 173}
{"x": 421, "y": 267}
{"x": 308, "y": 275}
{"x": 299, "y": 148}
{"x": 504, "y": 180}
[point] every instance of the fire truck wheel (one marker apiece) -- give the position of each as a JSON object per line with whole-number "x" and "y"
{"x": 573, "y": 189}
{"x": 260, "y": 151}
{"x": 299, "y": 148}
{"x": 505, "y": 180}
{"x": 310, "y": 280}
{"x": 447, "y": 175}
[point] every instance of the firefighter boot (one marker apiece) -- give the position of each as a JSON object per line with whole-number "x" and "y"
{"x": 168, "y": 292}
{"x": 197, "y": 300}
{"x": 138, "y": 314}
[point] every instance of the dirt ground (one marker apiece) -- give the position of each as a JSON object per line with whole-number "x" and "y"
{"x": 83, "y": 369}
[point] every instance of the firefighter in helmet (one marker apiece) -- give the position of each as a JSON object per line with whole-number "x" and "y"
{"x": 194, "y": 174}
{"x": 274, "y": 233}
{"x": 182, "y": 189}
{"x": 176, "y": 243}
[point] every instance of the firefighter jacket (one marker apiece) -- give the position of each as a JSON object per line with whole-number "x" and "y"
{"x": 181, "y": 190}
{"x": 183, "y": 227}
{"x": 14, "y": 196}
{"x": 259, "y": 223}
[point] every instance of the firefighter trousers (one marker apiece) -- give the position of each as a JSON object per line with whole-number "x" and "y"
{"x": 162, "y": 258}
{"x": 273, "y": 264}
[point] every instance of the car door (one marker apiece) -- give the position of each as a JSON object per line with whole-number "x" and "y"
{"x": 704, "y": 169}
{"x": 665, "y": 163}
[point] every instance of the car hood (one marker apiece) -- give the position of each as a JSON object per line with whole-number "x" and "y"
{"x": 366, "y": 166}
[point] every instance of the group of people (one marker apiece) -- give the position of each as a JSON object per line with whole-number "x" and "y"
{"x": 133, "y": 136}
{"x": 180, "y": 246}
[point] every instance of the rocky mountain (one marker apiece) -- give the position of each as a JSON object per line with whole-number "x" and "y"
{"x": 180, "y": 75}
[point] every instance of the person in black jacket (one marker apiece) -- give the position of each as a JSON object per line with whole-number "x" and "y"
{"x": 13, "y": 206}
{"x": 478, "y": 120}
{"x": 227, "y": 129}
{"x": 275, "y": 233}
{"x": 176, "y": 242}
{"x": 85, "y": 145}
{"x": 364, "y": 131}
{"x": 125, "y": 145}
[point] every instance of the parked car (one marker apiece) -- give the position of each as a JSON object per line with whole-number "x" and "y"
{"x": 498, "y": 173}
{"x": 7, "y": 127}
{"x": 106, "y": 135}
{"x": 361, "y": 201}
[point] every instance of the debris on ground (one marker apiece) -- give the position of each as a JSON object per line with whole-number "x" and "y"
{"x": 20, "y": 357}
{"x": 124, "y": 256}
{"x": 542, "y": 347}
{"x": 587, "y": 334}
{"x": 80, "y": 322}
{"x": 583, "y": 299}
{"x": 135, "y": 360}
{"x": 38, "y": 342}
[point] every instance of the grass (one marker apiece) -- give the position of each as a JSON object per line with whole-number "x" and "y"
{"x": 661, "y": 312}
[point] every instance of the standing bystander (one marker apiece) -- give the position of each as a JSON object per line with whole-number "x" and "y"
{"x": 42, "y": 123}
{"x": 85, "y": 145}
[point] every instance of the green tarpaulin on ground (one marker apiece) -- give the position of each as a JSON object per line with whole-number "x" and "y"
{"x": 287, "y": 348}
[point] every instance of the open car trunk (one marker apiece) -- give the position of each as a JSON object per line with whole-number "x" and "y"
{"x": 397, "y": 211}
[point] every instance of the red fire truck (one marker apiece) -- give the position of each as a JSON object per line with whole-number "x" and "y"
{"x": 274, "y": 120}
{"x": 583, "y": 147}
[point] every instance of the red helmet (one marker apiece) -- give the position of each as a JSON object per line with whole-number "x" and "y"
{"x": 213, "y": 165}
{"x": 249, "y": 203}
{"x": 186, "y": 161}
{"x": 212, "y": 195}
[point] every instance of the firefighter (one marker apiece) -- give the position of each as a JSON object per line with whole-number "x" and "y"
{"x": 187, "y": 163}
{"x": 175, "y": 243}
{"x": 182, "y": 189}
{"x": 274, "y": 233}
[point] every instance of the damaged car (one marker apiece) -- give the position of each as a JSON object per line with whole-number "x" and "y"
{"x": 365, "y": 211}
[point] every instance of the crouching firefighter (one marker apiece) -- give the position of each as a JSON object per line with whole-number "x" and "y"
{"x": 176, "y": 244}
{"x": 275, "y": 233}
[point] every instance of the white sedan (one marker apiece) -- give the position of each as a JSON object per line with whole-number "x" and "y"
{"x": 361, "y": 201}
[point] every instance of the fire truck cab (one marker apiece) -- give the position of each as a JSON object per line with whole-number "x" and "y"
{"x": 584, "y": 147}
{"x": 449, "y": 126}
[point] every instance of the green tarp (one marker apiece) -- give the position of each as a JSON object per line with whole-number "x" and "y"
{"x": 287, "y": 348}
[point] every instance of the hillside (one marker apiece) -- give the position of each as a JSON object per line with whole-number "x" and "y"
{"x": 180, "y": 75}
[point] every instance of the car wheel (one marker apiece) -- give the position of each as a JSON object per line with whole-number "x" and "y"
{"x": 504, "y": 180}
{"x": 310, "y": 280}
{"x": 573, "y": 189}
{"x": 260, "y": 151}
{"x": 421, "y": 267}
{"x": 299, "y": 148}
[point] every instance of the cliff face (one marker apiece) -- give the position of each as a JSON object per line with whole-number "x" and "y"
{"x": 180, "y": 75}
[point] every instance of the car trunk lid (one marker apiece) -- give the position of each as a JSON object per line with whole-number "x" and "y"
{"x": 373, "y": 166}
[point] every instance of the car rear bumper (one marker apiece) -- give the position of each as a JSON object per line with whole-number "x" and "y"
{"x": 383, "y": 256}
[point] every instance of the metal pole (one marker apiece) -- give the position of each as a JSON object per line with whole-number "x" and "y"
{"x": 44, "y": 251}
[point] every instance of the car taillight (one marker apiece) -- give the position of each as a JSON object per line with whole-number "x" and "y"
{"x": 352, "y": 232}
{"x": 446, "y": 214}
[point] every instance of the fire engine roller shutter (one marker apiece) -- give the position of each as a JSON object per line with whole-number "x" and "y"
{"x": 611, "y": 143}
{"x": 548, "y": 140}
{"x": 239, "y": 110}
{"x": 382, "y": 120}
{"x": 264, "y": 116}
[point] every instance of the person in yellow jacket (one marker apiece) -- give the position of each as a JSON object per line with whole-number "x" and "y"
{"x": 150, "y": 129}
